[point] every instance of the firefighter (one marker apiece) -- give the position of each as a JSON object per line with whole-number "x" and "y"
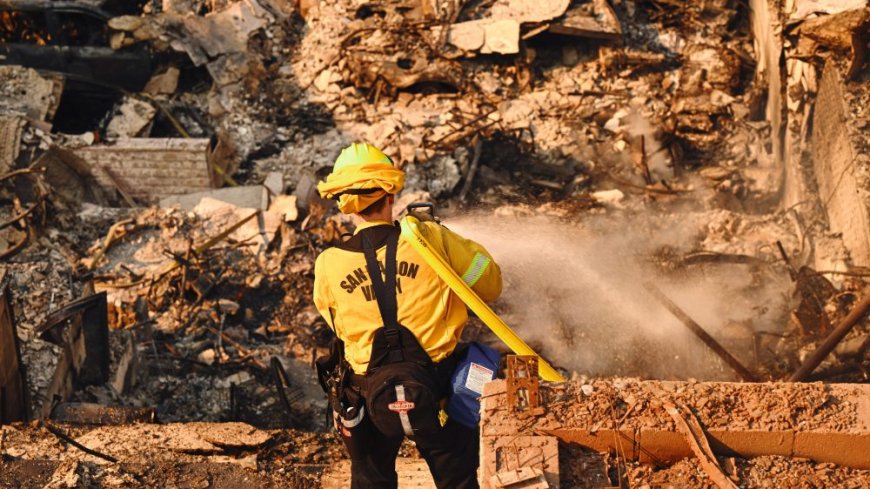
{"x": 399, "y": 326}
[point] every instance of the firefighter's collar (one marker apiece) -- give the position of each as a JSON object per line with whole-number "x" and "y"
{"x": 370, "y": 224}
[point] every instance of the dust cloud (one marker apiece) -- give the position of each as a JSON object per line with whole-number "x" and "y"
{"x": 576, "y": 293}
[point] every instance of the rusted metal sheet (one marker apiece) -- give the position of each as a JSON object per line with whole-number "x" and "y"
{"x": 523, "y": 385}
{"x": 159, "y": 167}
{"x": 14, "y": 402}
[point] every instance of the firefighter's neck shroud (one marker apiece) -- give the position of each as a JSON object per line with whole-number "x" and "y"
{"x": 361, "y": 176}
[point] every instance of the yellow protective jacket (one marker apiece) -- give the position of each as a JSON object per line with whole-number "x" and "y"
{"x": 426, "y": 306}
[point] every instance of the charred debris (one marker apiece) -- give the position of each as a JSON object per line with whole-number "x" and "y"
{"x": 159, "y": 222}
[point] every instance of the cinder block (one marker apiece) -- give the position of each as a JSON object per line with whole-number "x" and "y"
{"x": 849, "y": 449}
{"x": 499, "y": 454}
{"x": 752, "y": 443}
{"x": 837, "y": 432}
{"x": 624, "y": 442}
{"x": 657, "y": 445}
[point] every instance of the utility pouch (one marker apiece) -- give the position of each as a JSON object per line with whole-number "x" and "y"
{"x": 331, "y": 366}
{"x": 345, "y": 401}
{"x": 348, "y": 417}
{"x": 403, "y": 397}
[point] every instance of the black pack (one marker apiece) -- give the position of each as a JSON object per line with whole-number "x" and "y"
{"x": 403, "y": 387}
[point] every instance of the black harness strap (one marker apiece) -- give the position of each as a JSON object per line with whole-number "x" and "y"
{"x": 385, "y": 291}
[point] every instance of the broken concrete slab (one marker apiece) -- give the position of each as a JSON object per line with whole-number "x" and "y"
{"x": 25, "y": 92}
{"x": 255, "y": 232}
{"x": 743, "y": 419}
{"x": 133, "y": 118}
{"x": 595, "y": 20}
{"x": 274, "y": 182}
{"x": 285, "y": 206}
{"x": 223, "y": 32}
{"x": 834, "y": 31}
{"x": 161, "y": 440}
{"x": 845, "y": 32}
{"x": 165, "y": 83}
{"x": 156, "y": 168}
{"x": 306, "y": 193}
{"x": 500, "y": 32}
{"x": 249, "y": 197}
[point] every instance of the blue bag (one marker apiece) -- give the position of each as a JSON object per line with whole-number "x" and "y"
{"x": 479, "y": 366}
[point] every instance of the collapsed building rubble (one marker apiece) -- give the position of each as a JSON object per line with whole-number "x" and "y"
{"x": 749, "y": 115}
{"x": 638, "y": 421}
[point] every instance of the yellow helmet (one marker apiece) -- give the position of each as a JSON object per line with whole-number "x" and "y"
{"x": 362, "y": 175}
{"x": 360, "y": 154}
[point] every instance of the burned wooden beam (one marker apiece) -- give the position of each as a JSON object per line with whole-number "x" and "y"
{"x": 14, "y": 402}
{"x": 129, "y": 70}
{"x": 81, "y": 329}
{"x": 56, "y": 6}
{"x": 65, "y": 437}
{"x": 97, "y": 414}
{"x": 702, "y": 334}
{"x": 832, "y": 340}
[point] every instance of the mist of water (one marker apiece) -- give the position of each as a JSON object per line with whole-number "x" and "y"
{"x": 576, "y": 292}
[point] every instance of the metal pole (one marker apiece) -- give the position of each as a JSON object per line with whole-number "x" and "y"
{"x": 702, "y": 334}
{"x": 831, "y": 341}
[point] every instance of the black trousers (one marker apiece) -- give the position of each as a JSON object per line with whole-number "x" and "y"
{"x": 452, "y": 456}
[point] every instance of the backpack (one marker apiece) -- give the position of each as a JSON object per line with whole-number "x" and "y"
{"x": 403, "y": 386}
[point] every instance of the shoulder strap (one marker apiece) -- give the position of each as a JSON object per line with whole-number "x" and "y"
{"x": 384, "y": 288}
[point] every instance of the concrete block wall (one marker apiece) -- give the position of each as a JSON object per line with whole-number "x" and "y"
{"x": 153, "y": 168}
{"x": 845, "y": 198}
{"x": 824, "y": 423}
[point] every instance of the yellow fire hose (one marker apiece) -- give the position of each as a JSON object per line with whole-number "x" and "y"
{"x": 411, "y": 232}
